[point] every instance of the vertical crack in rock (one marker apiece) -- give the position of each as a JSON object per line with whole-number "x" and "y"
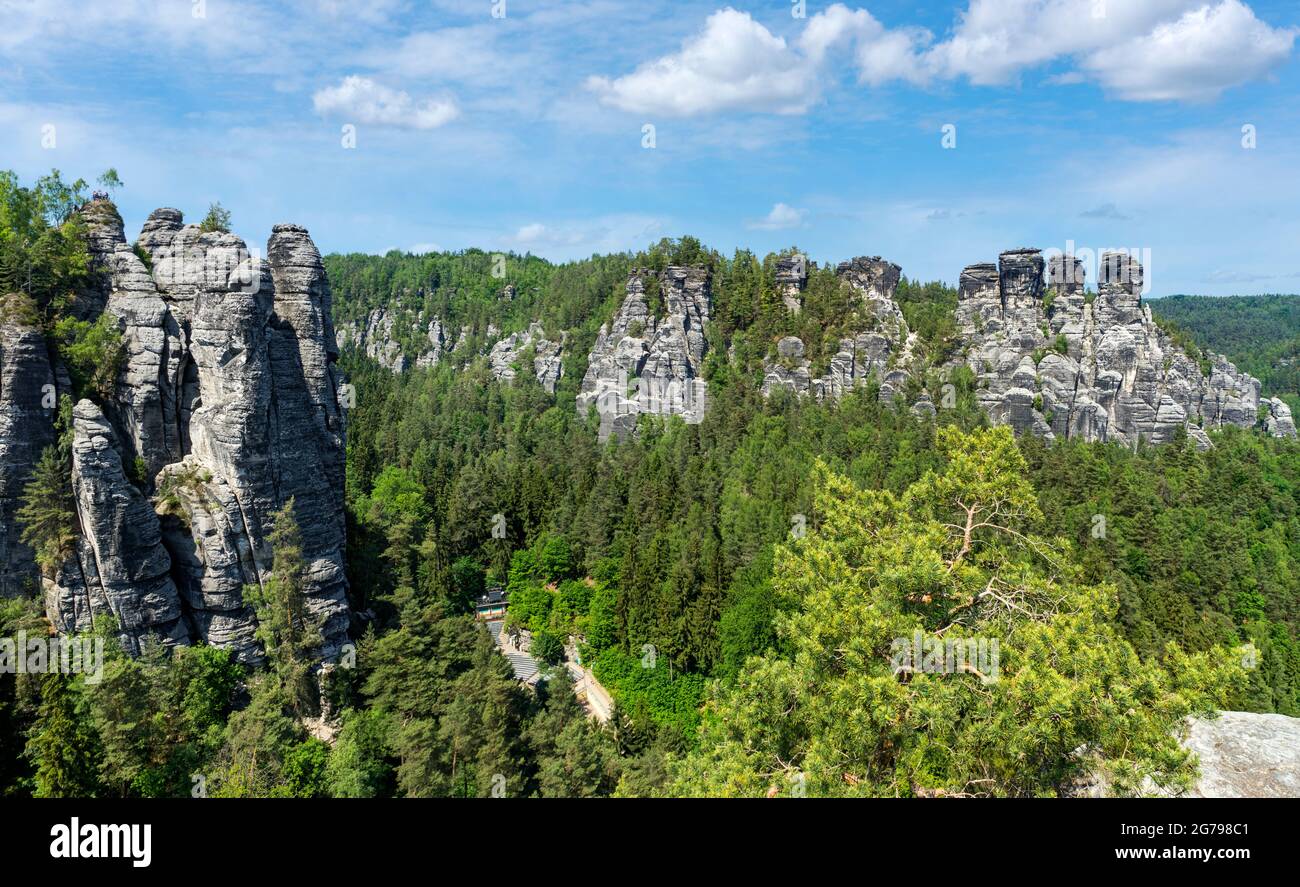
{"x": 1052, "y": 361}
{"x": 27, "y": 411}
{"x": 122, "y": 568}
{"x": 230, "y": 398}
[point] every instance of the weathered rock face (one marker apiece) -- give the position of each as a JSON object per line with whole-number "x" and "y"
{"x": 230, "y": 401}
{"x": 438, "y": 346}
{"x": 880, "y": 350}
{"x": 1051, "y": 362}
{"x": 791, "y": 277}
{"x": 641, "y": 364}
{"x": 1246, "y": 755}
{"x": 1240, "y": 754}
{"x": 375, "y": 339}
{"x": 1279, "y": 422}
{"x": 548, "y": 364}
{"x": 873, "y": 277}
{"x": 120, "y": 567}
{"x": 27, "y": 408}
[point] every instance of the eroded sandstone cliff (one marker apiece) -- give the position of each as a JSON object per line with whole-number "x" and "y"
{"x": 228, "y": 407}
{"x": 1054, "y": 360}
{"x": 645, "y": 364}
{"x": 376, "y": 337}
{"x": 27, "y": 409}
{"x": 879, "y": 351}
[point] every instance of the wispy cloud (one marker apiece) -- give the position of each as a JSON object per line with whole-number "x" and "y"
{"x": 580, "y": 238}
{"x": 361, "y": 100}
{"x": 1105, "y": 211}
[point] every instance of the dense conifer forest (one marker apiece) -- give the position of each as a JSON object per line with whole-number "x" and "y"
{"x": 1128, "y": 581}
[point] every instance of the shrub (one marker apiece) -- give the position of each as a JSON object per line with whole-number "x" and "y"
{"x": 217, "y": 219}
{"x": 94, "y": 353}
{"x": 547, "y": 648}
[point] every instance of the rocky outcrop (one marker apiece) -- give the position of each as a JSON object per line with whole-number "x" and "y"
{"x": 874, "y": 279}
{"x": 438, "y": 346}
{"x": 27, "y": 409}
{"x": 791, "y": 277}
{"x": 1052, "y": 360}
{"x": 229, "y": 406}
{"x": 1245, "y": 755}
{"x": 643, "y": 364}
{"x": 120, "y": 567}
{"x": 374, "y": 337}
{"x": 377, "y": 338}
{"x": 1239, "y": 754}
{"x": 548, "y": 363}
{"x": 1279, "y": 422}
{"x": 880, "y": 350}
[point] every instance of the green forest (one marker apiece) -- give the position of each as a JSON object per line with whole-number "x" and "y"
{"x": 1257, "y": 333}
{"x": 736, "y": 585}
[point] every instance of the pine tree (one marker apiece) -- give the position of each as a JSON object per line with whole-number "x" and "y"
{"x": 48, "y": 513}
{"x": 62, "y": 746}
{"x": 289, "y": 632}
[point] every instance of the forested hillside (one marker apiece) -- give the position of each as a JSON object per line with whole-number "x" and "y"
{"x": 677, "y": 527}
{"x": 1261, "y": 334}
{"x": 738, "y": 585}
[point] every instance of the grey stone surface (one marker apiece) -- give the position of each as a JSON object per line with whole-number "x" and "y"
{"x": 27, "y": 412}
{"x": 231, "y": 398}
{"x": 881, "y": 350}
{"x": 791, "y": 277}
{"x": 1279, "y": 422}
{"x": 1052, "y": 362}
{"x": 375, "y": 339}
{"x": 1239, "y": 755}
{"x": 643, "y": 364}
{"x": 548, "y": 363}
{"x": 121, "y": 567}
{"x": 1245, "y": 755}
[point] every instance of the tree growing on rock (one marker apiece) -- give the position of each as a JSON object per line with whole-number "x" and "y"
{"x": 289, "y": 632}
{"x": 217, "y": 219}
{"x": 850, "y": 710}
{"x": 110, "y": 181}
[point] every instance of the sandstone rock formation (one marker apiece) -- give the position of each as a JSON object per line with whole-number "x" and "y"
{"x": 643, "y": 364}
{"x": 120, "y": 566}
{"x": 880, "y": 350}
{"x": 438, "y": 346}
{"x": 1245, "y": 755}
{"x": 227, "y": 408}
{"x": 791, "y": 277}
{"x": 27, "y": 410}
{"x": 1279, "y": 422}
{"x": 1052, "y": 360}
{"x": 375, "y": 339}
{"x": 548, "y": 363}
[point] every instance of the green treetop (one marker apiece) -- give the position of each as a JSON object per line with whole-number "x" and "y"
{"x": 852, "y": 711}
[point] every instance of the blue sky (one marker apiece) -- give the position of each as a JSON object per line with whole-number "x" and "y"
{"x": 1109, "y": 123}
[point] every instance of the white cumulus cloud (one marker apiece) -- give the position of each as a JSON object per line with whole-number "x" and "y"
{"x": 361, "y": 100}
{"x": 733, "y": 64}
{"x": 1194, "y": 58}
{"x": 781, "y": 217}
{"x": 1152, "y": 50}
{"x": 1138, "y": 50}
